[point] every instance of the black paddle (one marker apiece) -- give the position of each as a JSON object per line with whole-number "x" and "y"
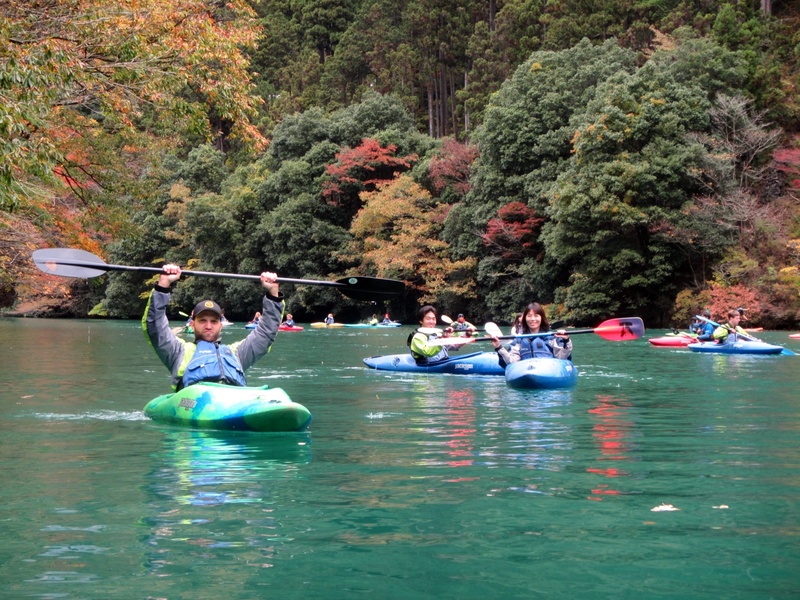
{"x": 69, "y": 262}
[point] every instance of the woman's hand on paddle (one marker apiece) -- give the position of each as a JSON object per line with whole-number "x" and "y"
{"x": 270, "y": 283}
{"x": 561, "y": 333}
{"x": 170, "y": 275}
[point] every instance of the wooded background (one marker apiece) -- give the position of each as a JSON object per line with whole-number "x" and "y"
{"x": 604, "y": 158}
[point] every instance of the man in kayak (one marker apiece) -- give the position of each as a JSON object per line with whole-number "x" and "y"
{"x": 463, "y": 327}
{"x": 206, "y": 359}
{"x": 534, "y": 320}
{"x": 289, "y": 322}
{"x": 729, "y": 332}
{"x": 418, "y": 346}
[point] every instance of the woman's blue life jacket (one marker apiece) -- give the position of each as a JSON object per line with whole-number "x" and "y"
{"x": 534, "y": 347}
{"x": 204, "y": 365}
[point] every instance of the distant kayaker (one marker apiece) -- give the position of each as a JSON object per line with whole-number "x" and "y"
{"x": 256, "y": 318}
{"x": 463, "y": 327}
{"x": 206, "y": 359}
{"x": 705, "y": 330}
{"x": 729, "y": 332}
{"x": 289, "y": 322}
{"x": 534, "y": 320}
{"x": 418, "y": 345}
{"x": 386, "y": 320}
{"x": 516, "y": 326}
{"x": 329, "y": 319}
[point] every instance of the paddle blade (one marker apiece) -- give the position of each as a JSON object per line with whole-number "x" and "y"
{"x": 370, "y": 288}
{"x": 620, "y": 330}
{"x": 51, "y": 260}
{"x": 492, "y": 329}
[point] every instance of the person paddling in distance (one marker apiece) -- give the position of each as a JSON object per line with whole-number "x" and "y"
{"x": 329, "y": 319}
{"x": 463, "y": 327}
{"x": 704, "y": 329}
{"x": 289, "y": 322}
{"x": 256, "y": 319}
{"x": 729, "y": 332}
{"x": 207, "y": 359}
{"x": 534, "y": 320}
{"x": 418, "y": 345}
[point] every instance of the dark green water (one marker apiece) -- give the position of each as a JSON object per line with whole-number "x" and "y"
{"x": 406, "y": 486}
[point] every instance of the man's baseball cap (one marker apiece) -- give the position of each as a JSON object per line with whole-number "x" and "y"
{"x": 207, "y": 306}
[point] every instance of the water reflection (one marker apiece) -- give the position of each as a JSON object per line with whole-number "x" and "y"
{"x": 199, "y": 480}
{"x": 217, "y": 467}
{"x": 612, "y": 432}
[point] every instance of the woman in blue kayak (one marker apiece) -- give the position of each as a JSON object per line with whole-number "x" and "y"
{"x": 534, "y": 320}
{"x": 423, "y": 352}
{"x": 206, "y": 359}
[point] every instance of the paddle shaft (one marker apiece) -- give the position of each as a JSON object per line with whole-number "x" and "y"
{"x": 70, "y": 262}
{"x": 108, "y": 267}
{"x": 629, "y": 328}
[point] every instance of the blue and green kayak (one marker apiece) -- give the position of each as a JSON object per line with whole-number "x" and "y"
{"x": 219, "y": 406}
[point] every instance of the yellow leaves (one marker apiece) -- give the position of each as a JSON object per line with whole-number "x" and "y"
{"x": 397, "y": 234}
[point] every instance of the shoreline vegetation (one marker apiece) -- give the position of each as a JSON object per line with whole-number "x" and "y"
{"x": 642, "y": 161}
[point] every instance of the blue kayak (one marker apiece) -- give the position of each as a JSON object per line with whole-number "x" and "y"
{"x": 477, "y": 363}
{"x": 738, "y": 347}
{"x": 541, "y": 373}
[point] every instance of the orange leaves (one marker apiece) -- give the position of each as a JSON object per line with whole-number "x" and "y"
{"x": 397, "y": 234}
{"x": 175, "y": 61}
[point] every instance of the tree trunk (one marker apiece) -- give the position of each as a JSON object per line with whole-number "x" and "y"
{"x": 766, "y": 7}
{"x": 430, "y": 109}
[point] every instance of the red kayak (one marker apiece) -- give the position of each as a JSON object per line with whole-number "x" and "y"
{"x": 795, "y": 336}
{"x": 290, "y": 328}
{"x": 673, "y": 340}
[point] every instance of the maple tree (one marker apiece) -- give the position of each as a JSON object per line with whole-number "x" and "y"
{"x": 451, "y": 167}
{"x": 397, "y": 235}
{"x": 77, "y": 73}
{"x": 514, "y": 232}
{"x": 362, "y": 168}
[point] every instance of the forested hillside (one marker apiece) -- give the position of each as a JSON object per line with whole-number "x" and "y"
{"x": 606, "y": 158}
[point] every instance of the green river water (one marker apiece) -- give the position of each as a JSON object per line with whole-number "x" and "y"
{"x": 405, "y": 486}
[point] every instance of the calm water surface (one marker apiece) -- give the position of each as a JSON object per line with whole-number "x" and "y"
{"x": 405, "y": 486}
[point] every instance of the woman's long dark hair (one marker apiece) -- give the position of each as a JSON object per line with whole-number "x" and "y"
{"x": 535, "y": 307}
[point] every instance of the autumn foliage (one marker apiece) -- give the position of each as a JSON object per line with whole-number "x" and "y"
{"x": 451, "y": 167}
{"x": 514, "y": 232}
{"x": 362, "y": 168}
{"x": 397, "y": 235}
